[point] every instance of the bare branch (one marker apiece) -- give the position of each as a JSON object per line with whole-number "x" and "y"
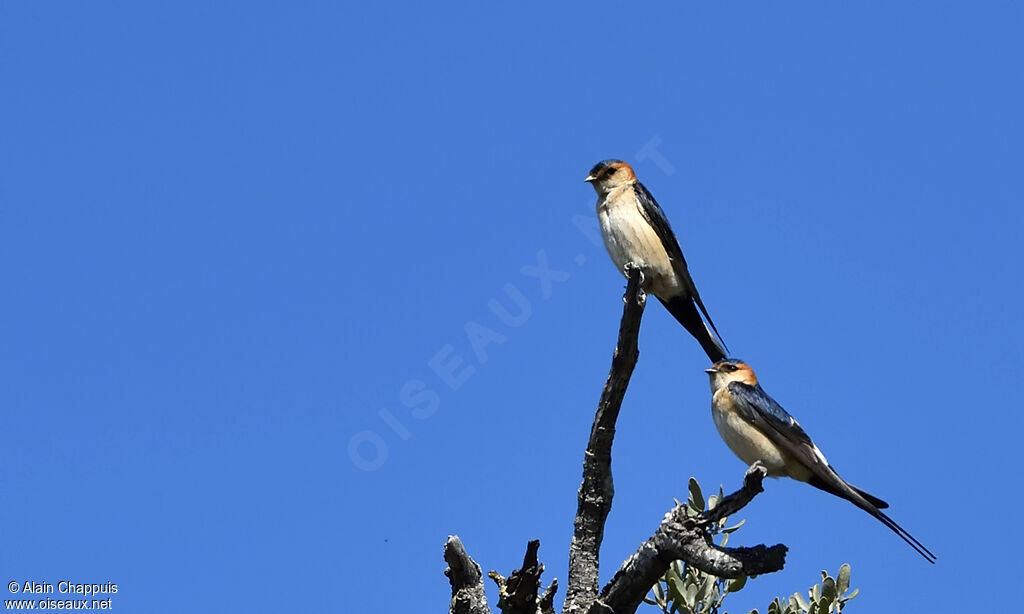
{"x": 596, "y": 491}
{"x": 546, "y": 603}
{"x": 466, "y": 579}
{"x": 686, "y": 538}
{"x": 738, "y": 500}
{"x": 519, "y": 590}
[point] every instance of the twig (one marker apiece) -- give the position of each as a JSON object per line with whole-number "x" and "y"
{"x": 596, "y": 491}
{"x": 545, "y": 605}
{"x": 518, "y": 593}
{"x": 738, "y": 500}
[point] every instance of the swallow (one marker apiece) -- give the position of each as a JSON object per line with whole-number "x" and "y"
{"x": 756, "y": 428}
{"x": 635, "y": 230}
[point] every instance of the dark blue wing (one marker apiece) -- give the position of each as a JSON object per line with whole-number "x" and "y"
{"x": 656, "y": 218}
{"x": 755, "y": 405}
{"x": 775, "y": 423}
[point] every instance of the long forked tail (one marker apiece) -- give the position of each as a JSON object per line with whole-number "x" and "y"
{"x": 904, "y": 535}
{"x": 683, "y": 309}
{"x": 870, "y": 504}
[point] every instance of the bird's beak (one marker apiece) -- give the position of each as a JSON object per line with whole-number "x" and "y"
{"x": 711, "y": 370}
{"x": 590, "y": 178}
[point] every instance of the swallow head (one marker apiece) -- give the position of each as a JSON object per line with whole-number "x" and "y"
{"x": 610, "y": 174}
{"x": 730, "y": 370}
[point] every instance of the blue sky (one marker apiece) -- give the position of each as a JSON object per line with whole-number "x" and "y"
{"x": 234, "y": 239}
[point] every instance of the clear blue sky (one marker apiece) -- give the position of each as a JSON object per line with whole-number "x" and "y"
{"x": 232, "y": 237}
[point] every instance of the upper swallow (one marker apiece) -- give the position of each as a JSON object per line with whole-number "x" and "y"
{"x": 756, "y": 428}
{"x": 636, "y": 231}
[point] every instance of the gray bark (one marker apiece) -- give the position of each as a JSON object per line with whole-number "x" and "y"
{"x": 466, "y": 579}
{"x": 594, "y": 500}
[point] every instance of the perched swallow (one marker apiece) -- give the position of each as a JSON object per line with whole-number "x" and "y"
{"x": 756, "y": 428}
{"x": 636, "y": 231}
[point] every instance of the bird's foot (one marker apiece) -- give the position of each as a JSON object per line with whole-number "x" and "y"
{"x": 632, "y": 266}
{"x": 756, "y": 473}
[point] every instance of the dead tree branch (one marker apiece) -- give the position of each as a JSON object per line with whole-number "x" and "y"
{"x": 466, "y": 579}
{"x": 546, "y": 604}
{"x": 596, "y": 491}
{"x": 517, "y": 594}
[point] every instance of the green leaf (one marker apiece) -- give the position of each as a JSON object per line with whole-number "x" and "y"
{"x": 703, "y": 586}
{"x": 824, "y": 605}
{"x": 800, "y": 599}
{"x": 737, "y": 585}
{"x": 690, "y": 596}
{"x": 816, "y": 592}
{"x": 828, "y": 589}
{"x": 659, "y": 593}
{"x": 843, "y": 579}
{"x": 676, "y": 588}
{"x": 710, "y": 594}
{"x": 725, "y": 540}
{"x": 733, "y": 528}
{"x": 713, "y": 501}
{"x": 852, "y": 594}
{"x": 696, "y": 496}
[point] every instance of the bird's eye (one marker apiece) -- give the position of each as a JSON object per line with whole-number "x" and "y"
{"x": 610, "y": 171}
{"x": 730, "y": 368}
